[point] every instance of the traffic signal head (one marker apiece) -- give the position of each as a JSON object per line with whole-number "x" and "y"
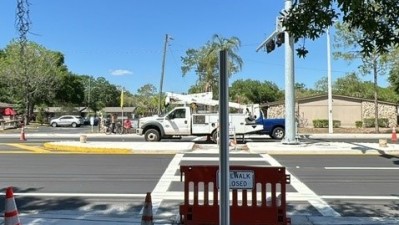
{"x": 270, "y": 46}
{"x": 280, "y": 39}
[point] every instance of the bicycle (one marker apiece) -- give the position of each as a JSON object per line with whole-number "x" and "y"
{"x": 118, "y": 128}
{"x": 105, "y": 127}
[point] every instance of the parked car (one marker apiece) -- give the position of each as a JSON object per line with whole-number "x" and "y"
{"x": 67, "y": 120}
{"x": 86, "y": 121}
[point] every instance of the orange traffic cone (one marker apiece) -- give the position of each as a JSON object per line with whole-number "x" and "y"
{"x": 146, "y": 219}
{"x": 22, "y": 136}
{"x": 11, "y": 212}
{"x": 394, "y": 138}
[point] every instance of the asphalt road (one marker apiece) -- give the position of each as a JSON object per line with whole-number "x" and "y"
{"x": 344, "y": 185}
{"x": 349, "y": 185}
{"x": 51, "y": 182}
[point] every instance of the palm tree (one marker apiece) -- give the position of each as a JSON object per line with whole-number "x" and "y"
{"x": 205, "y": 62}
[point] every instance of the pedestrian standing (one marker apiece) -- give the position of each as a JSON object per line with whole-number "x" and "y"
{"x": 113, "y": 122}
{"x": 127, "y": 124}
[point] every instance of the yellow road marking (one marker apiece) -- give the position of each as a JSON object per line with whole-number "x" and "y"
{"x": 30, "y": 148}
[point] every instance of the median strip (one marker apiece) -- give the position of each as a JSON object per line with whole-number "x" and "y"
{"x": 30, "y": 148}
{"x": 81, "y": 148}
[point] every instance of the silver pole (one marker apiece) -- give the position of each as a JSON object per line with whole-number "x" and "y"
{"x": 224, "y": 170}
{"x": 290, "y": 135}
{"x": 330, "y": 116}
{"x": 122, "y": 108}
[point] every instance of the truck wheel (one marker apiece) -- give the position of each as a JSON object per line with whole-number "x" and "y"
{"x": 152, "y": 135}
{"x": 278, "y": 133}
{"x": 215, "y": 137}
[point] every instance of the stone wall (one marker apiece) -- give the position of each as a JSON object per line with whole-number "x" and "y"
{"x": 277, "y": 111}
{"x": 384, "y": 111}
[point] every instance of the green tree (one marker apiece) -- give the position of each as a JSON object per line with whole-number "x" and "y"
{"x": 349, "y": 85}
{"x": 374, "y": 63}
{"x": 71, "y": 90}
{"x": 147, "y": 100}
{"x": 204, "y": 61}
{"x": 104, "y": 94}
{"x": 302, "y": 91}
{"x": 394, "y": 72}
{"x": 34, "y": 82}
{"x": 254, "y": 91}
{"x": 352, "y": 85}
{"x": 377, "y": 19}
{"x": 388, "y": 94}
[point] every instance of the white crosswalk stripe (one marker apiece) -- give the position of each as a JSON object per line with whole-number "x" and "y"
{"x": 304, "y": 193}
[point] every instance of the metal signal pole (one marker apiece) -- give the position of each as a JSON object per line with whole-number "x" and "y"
{"x": 330, "y": 110}
{"x": 290, "y": 122}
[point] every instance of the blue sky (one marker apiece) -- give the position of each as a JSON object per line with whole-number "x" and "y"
{"x": 122, "y": 40}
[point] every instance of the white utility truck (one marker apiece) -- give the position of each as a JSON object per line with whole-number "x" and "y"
{"x": 190, "y": 120}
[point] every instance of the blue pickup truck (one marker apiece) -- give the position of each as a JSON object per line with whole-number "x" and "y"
{"x": 275, "y": 128}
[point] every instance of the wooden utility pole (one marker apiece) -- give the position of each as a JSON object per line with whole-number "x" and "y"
{"x": 162, "y": 73}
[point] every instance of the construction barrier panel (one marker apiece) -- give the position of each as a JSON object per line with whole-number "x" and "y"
{"x": 257, "y": 195}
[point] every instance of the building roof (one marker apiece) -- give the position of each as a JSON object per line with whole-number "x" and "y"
{"x": 118, "y": 109}
{"x": 5, "y": 105}
{"x": 325, "y": 96}
{"x": 86, "y": 110}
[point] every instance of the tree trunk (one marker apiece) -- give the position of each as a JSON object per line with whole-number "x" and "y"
{"x": 375, "y": 95}
{"x": 26, "y": 117}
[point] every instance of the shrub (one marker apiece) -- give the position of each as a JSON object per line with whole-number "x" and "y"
{"x": 359, "y": 124}
{"x": 336, "y": 123}
{"x": 324, "y": 123}
{"x": 40, "y": 116}
{"x": 370, "y": 122}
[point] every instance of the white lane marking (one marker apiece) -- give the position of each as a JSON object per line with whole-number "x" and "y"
{"x": 197, "y": 139}
{"x": 291, "y": 196}
{"x": 360, "y": 197}
{"x": 164, "y": 183}
{"x": 315, "y": 200}
{"x": 102, "y": 195}
{"x": 179, "y": 195}
{"x": 361, "y": 168}
{"x": 218, "y": 159}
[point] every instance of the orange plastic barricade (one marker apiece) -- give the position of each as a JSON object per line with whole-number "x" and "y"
{"x": 257, "y": 195}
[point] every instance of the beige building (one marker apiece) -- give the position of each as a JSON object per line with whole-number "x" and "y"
{"x": 345, "y": 109}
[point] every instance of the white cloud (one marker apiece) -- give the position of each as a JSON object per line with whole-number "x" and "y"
{"x": 120, "y": 72}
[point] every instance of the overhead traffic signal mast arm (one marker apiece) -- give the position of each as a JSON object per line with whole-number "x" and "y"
{"x": 276, "y": 38}
{"x": 267, "y": 40}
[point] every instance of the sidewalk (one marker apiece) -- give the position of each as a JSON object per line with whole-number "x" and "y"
{"x": 61, "y": 218}
{"x": 308, "y": 145}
